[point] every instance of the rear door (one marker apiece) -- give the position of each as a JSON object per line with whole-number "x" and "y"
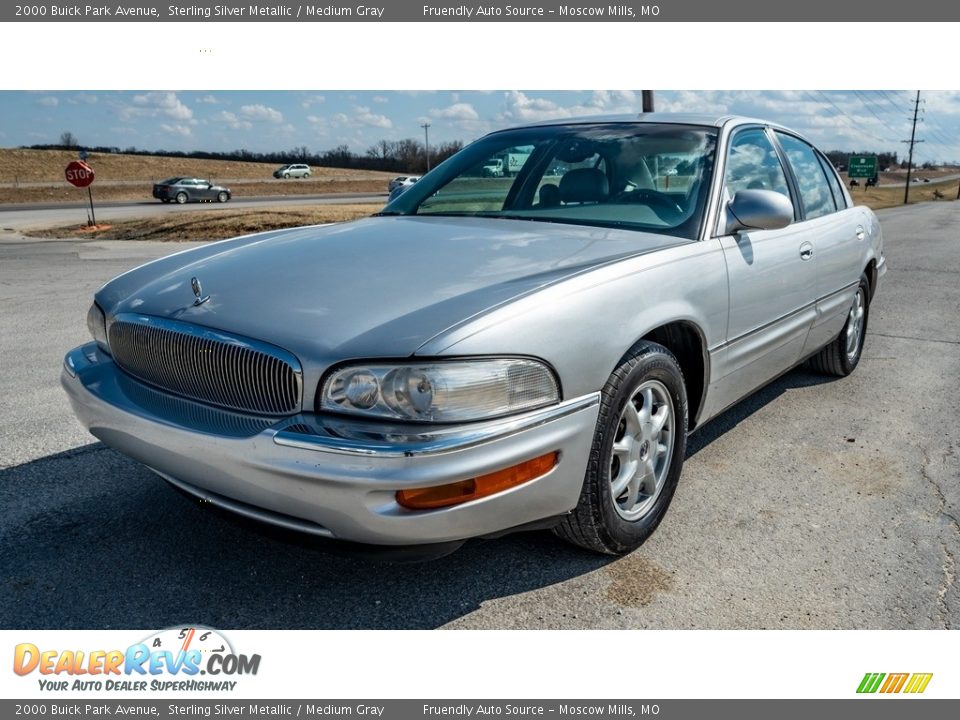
{"x": 772, "y": 276}
{"x": 834, "y": 233}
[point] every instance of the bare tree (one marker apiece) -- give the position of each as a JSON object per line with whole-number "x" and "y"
{"x": 69, "y": 140}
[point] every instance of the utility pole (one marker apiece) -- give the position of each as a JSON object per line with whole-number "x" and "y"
{"x": 913, "y": 141}
{"x": 426, "y": 140}
{"x": 647, "y": 97}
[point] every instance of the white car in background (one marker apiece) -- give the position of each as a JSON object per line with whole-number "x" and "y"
{"x": 403, "y": 181}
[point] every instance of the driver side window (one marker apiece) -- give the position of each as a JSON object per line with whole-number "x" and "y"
{"x": 753, "y": 164}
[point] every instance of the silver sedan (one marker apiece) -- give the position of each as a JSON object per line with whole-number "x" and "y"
{"x": 490, "y": 353}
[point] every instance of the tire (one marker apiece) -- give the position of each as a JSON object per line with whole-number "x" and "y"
{"x": 164, "y": 200}
{"x": 222, "y": 197}
{"x": 842, "y": 355}
{"x": 306, "y": 175}
{"x": 286, "y": 176}
{"x": 617, "y": 525}
{"x": 181, "y": 198}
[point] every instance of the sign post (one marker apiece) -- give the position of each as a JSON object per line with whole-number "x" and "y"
{"x": 862, "y": 166}
{"x": 81, "y": 175}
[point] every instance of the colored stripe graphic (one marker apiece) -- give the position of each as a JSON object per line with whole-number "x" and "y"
{"x": 894, "y": 682}
{"x": 918, "y": 682}
{"x": 870, "y": 682}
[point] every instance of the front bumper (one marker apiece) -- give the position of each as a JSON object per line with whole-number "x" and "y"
{"x": 329, "y": 476}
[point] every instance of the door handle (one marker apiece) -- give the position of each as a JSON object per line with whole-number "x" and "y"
{"x": 806, "y": 251}
{"x": 860, "y": 233}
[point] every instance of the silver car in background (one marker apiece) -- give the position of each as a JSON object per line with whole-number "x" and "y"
{"x": 490, "y": 353}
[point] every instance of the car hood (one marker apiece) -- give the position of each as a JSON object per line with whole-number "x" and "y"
{"x": 379, "y": 287}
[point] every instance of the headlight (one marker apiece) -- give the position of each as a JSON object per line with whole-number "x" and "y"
{"x": 442, "y": 391}
{"x": 97, "y": 324}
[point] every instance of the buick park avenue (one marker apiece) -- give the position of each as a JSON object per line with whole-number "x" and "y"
{"x": 489, "y": 353}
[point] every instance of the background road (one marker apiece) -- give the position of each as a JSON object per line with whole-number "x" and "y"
{"x": 816, "y": 503}
{"x": 19, "y": 217}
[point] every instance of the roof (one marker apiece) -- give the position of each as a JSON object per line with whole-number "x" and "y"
{"x": 700, "y": 119}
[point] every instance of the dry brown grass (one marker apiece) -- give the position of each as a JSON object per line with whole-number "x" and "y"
{"x": 884, "y": 197}
{"x": 211, "y": 225}
{"x": 37, "y": 176}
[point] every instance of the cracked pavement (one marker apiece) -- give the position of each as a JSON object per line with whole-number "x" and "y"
{"x": 816, "y": 503}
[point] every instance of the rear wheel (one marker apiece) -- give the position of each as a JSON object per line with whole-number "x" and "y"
{"x": 637, "y": 454}
{"x": 181, "y": 198}
{"x": 842, "y": 356}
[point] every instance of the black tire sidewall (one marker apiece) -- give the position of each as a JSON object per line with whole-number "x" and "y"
{"x": 850, "y": 365}
{"x": 624, "y": 535}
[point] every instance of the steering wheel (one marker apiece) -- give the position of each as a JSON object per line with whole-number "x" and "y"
{"x": 656, "y": 200}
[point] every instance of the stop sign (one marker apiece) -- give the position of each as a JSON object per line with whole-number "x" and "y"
{"x": 79, "y": 174}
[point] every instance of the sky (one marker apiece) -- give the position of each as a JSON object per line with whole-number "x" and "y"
{"x": 262, "y": 121}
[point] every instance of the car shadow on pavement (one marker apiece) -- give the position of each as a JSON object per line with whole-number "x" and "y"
{"x": 92, "y": 539}
{"x": 800, "y": 377}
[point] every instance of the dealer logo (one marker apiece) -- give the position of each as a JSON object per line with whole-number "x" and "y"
{"x": 171, "y": 659}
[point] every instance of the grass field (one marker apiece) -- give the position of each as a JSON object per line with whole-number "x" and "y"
{"x": 212, "y": 225}
{"x": 37, "y": 176}
{"x": 883, "y": 197}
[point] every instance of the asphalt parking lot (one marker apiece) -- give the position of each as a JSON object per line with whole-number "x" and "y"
{"x": 816, "y": 503}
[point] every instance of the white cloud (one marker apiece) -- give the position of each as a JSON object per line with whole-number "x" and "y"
{"x": 380, "y": 99}
{"x": 207, "y": 100}
{"x": 231, "y": 120}
{"x": 82, "y": 98}
{"x": 365, "y": 117}
{"x": 181, "y": 130}
{"x": 261, "y": 113}
{"x": 48, "y": 101}
{"x": 457, "y": 111}
{"x": 165, "y": 104}
{"x": 311, "y": 100}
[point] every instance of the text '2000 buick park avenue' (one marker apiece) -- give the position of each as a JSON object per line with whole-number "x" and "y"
{"x": 491, "y": 351}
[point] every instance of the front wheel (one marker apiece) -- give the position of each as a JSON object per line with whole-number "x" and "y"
{"x": 286, "y": 176}
{"x": 181, "y": 198}
{"x": 222, "y": 197}
{"x": 842, "y": 356}
{"x": 637, "y": 454}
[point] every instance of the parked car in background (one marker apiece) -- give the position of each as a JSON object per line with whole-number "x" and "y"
{"x": 403, "y": 181}
{"x": 187, "y": 189}
{"x": 481, "y": 356}
{"x": 286, "y": 172}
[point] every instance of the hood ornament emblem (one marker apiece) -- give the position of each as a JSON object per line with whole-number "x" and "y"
{"x": 198, "y": 291}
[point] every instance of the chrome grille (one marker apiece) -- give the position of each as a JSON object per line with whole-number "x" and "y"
{"x": 207, "y": 365}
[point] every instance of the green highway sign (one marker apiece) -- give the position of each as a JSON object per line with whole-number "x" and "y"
{"x": 862, "y": 166}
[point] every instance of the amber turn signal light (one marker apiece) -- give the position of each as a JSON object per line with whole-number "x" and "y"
{"x": 478, "y": 487}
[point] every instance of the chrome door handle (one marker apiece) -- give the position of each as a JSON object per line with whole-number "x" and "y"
{"x": 860, "y": 233}
{"x": 806, "y": 251}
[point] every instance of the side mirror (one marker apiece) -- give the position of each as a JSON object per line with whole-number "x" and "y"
{"x": 758, "y": 210}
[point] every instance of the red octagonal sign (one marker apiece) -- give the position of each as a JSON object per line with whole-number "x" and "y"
{"x": 79, "y": 174}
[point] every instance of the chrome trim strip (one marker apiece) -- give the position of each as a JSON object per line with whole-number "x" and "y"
{"x": 436, "y": 442}
{"x": 782, "y": 318}
{"x": 248, "y": 511}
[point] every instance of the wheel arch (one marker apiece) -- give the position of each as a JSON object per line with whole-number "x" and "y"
{"x": 686, "y": 340}
{"x": 871, "y": 272}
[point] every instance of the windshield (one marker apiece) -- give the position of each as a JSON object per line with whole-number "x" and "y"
{"x": 642, "y": 176}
